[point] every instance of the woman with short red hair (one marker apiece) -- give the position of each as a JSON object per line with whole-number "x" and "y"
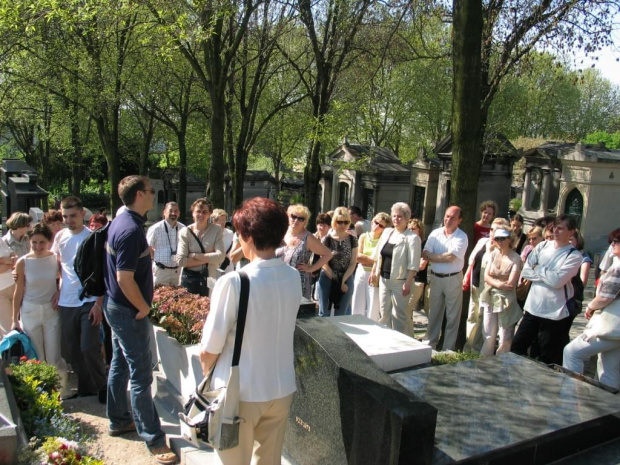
{"x": 266, "y": 370}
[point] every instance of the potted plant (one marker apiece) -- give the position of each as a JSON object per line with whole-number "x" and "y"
{"x": 179, "y": 316}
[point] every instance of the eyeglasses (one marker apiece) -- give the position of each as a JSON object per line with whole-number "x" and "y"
{"x": 151, "y": 190}
{"x": 341, "y": 222}
{"x": 500, "y": 239}
{"x": 379, "y": 225}
{"x": 615, "y": 242}
{"x": 297, "y": 218}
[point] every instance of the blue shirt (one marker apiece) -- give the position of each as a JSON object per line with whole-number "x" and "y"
{"x": 130, "y": 252}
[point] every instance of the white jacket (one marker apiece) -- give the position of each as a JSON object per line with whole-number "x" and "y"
{"x": 406, "y": 255}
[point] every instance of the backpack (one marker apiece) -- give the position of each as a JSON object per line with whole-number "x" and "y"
{"x": 89, "y": 263}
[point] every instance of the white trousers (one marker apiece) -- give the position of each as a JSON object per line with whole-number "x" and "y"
{"x": 41, "y": 323}
{"x": 365, "y": 299}
{"x": 166, "y": 276}
{"x": 393, "y": 306}
{"x": 608, "y": 365}
{"x": 490, "y": 328}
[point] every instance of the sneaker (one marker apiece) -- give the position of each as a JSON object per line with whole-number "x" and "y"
{"x": 129, "y": 428}
{"x": 163, "y": 454}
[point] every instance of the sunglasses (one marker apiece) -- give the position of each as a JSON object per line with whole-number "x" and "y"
{"x": 500, "y": 239}
{"x": 297, "y": 218}
{"x": 534, "y": 238}
{"x": 379, "y": 225}
{"x": 341, "y": 222}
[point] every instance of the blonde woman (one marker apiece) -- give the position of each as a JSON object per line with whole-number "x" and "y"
{"x": 336, "y": 279}
{"x": 366, "y": 296}
{"x": 498, "y": 301}
{"x": 416, "y": 227}
{"x": 397, "y": 259}
{"x": 299, "y": 245}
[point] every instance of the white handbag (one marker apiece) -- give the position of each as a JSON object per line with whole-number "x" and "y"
{"x": 212, "y": 416}
{"x": 605, "y": 323}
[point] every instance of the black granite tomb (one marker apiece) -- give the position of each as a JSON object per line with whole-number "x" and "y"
{"x": 507, "y": 409}
{"x": 348, "y": 411}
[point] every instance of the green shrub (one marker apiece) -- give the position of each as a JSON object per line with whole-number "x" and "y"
{"x": 444, "y": 358}
{"x": 35, "y": 386}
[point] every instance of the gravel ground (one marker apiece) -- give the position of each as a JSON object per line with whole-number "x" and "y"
{"x": 120, "y": 450}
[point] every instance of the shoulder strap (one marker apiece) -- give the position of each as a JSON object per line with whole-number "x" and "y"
{"x": 202, "y": 249}
{"x": 567, "y": 255}
{"x": 243, "y": 310}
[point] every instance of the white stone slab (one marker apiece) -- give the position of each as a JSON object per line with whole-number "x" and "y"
{"x": 389, "y": 349}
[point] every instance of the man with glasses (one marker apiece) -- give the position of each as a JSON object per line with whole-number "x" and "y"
{"x": 445, "y": 250}
{"x": 129, "y": 284}
{"x": 163, "y": 237}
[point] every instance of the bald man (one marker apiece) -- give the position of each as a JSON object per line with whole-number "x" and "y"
{"x": 445, "y": 250}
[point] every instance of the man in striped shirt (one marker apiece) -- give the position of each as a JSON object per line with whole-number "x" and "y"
{"x": 163, "y": 239}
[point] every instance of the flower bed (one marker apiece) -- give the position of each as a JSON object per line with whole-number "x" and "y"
{"x": 35, "y": 386}
{"x": 181, "y": 313}
{"x": 181, "y": 317}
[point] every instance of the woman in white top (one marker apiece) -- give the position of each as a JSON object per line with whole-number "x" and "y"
{"x": 7, "y": 288}
{"x": 266, "y": 370}
{"x": 397, "y": 260}
{"x": 366, "y": 295}
{"x": 36, "y": 299}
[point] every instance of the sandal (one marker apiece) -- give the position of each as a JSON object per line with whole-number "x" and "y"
{"x": 163, "y": 455}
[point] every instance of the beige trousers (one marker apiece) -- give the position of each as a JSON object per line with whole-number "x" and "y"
{"x": 6, "y": 310}
{"x": 261, "y": 436}
{"x": 166, "y": 277}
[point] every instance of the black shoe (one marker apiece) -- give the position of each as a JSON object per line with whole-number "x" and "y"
{"x": 103, "y": 396}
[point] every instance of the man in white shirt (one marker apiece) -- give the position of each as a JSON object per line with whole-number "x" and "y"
{"x": 163, "y": 237}
{"x": 445, "y": 250}
{"x": 550, "y": 267}
{"x": 80, "y": 319}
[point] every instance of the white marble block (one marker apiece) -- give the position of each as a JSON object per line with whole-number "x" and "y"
{"x": 389, "y": 349}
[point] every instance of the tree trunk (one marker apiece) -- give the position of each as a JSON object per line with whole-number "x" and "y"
{"x": 466, "y": 134}
{"x": 216, "y": 170}
{"x": 76, "y": 145}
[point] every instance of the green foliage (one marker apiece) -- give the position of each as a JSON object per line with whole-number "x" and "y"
{"x": 515, "y": 204}
{"x": 444, "y": 358}
{"x": 611, "y": 141}
{"x": 35, "y": 385}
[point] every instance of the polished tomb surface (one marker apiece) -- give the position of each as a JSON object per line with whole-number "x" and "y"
{"x": 509, "y": 409}
{"x": 349, "y": 411}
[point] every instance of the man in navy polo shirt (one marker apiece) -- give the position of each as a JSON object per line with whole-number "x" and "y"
{"x": 129, "y": 284}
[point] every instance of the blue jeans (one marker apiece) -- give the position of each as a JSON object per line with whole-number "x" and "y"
{"x": 131, "y": 361}
{"x": 325, "y": 285}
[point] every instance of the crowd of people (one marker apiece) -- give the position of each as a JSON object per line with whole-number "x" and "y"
{"x": 525, "y": 291}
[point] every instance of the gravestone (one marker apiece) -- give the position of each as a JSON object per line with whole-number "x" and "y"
{"x": 508, "y": 409}
{"x": 389, "y": 349}
{"x": 347, "y": 410}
